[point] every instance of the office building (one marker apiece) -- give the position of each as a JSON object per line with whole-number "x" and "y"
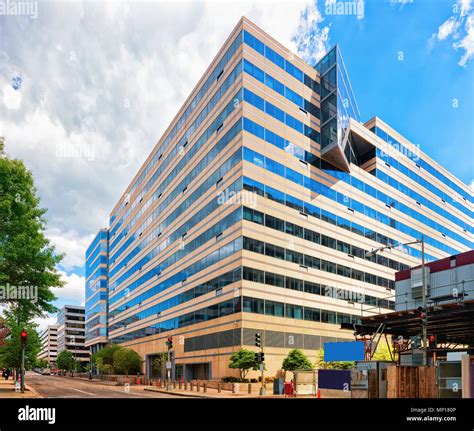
{"x": 71, "y": 332}
{"x": 255, "y": 210}
{"x": 97, "y": 292}
{"x": 49, "y": 345}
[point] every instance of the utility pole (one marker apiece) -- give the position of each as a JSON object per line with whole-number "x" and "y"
{"x": 423, "y": 300}
{"x": 23, "y": 339}
{"x": 169, "y": 343}
{"x": 424, "y": 287}
{"x": 260, "y": 342}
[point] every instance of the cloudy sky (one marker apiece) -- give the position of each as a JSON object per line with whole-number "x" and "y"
{"x": 87, "y": 88}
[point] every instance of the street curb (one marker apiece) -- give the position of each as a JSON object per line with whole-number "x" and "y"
{"x": 193, "y": 395}
{"x": 179, "y": 394}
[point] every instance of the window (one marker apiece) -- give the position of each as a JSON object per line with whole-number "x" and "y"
{"x": 311, "y": 236}
{"x": 253, "y": 245}
{"x": 253, "y": 275}
{"x": 294, "y": 256}
{"x": 274, "y": 279}
{"x": 312, "y": 314}
{"x": 275, "y": 251}
{"x": 294, "y": 283}
{"x": 273, "y": 308}
{"x": 293, "y": 229}
{"x": 313, "y": 288}
{"x": 274, "y": 223}
{"x": 294, "y": 311}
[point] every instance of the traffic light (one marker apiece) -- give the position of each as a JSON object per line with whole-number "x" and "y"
{"x": 259, "y": 357}
{"x": 423, "y": 314}
{"x": 169, "y": 342}
{"x": 258, "y": 339}
{"x": 23, "y": 337}
{"x": 262, "y": 357}
{"x": 433, "y": 342}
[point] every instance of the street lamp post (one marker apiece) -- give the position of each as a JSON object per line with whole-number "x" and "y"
{"x": 423, "y": 286}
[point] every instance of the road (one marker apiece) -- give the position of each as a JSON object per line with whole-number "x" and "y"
{"x": 65, "y": 387}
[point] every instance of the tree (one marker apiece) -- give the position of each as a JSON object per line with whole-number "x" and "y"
{"x": 41, "y": 363}
{"x": 104, "y": 358}
{"x": 158, "y": 364}
{"x": 339, "y": 365}
{"x": 27, "y": 259}
{"x": 244, "y": 360}
{"x": 126, "y": 360}
{"x": 10, "y": 350}
{"x": 66, "y": 361}
{"x": 296, "y": 360}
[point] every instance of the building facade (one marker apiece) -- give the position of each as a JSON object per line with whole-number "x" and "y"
{"x": 255, "y": 210}
{"x": 97, "y": 292}
{"x": 71, "y": 332}
{"x": 49, "y": 345}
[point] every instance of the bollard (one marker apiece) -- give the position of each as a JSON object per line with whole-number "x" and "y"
{"x": 197, "y": 387}
{"x": 174, "y": 384}
{"x": 179, "y": 385}
{"x": 250, "y": 388}
{"x": 186, "y": 386}
{"x": 233, "y": 388}
{"x": 204, "y": 388}
{"x": 219, "y": 387}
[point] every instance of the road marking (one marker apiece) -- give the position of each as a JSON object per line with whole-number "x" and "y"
{"x": 84, "y": 392}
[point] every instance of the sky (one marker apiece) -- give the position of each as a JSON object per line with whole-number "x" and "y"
{"x": 88, "y": 87}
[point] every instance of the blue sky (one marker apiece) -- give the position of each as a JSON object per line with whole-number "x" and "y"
{"x": 91, "y": 103}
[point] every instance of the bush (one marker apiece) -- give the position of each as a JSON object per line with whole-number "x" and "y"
{"x": 230, "y": 379}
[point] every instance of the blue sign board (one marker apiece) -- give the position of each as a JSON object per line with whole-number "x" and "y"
{"x": 334, "y": 379}
{"x": 344, "y": 351}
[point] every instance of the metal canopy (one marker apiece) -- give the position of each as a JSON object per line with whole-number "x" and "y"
{"x": 451, "y": 323}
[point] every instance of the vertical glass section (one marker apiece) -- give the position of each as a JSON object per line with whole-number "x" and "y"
{"x": 338, "y": 106}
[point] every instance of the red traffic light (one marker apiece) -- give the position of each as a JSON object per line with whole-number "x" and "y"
{"x": 24, "y": 334}
{"x": 432, "y": 338}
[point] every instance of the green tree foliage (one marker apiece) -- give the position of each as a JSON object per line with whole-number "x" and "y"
{"x": 41, "y": 363}
{"x": 10, "y": 351}
{"x": 320, "y": 363}
{"x": 126, "y": 361}
{"x": 158, "y": 364}
{"x": 296, "y": 360}
{"x": 66, "y": 361}
{"x": 105, "y": 358}
{"x": 243, "y": 360}
{"x": 27, "y": 259}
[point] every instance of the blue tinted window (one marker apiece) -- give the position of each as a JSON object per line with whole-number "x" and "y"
{"x": 274, "y": 57}
{"x": 253, "y": 42}
{"x": 274, "y": 112}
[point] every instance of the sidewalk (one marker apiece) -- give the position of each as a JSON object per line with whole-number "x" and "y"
{"x": 7, "y": 390}
{"x": 210, "y": 393}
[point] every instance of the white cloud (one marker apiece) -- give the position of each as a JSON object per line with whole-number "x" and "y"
{"x": 73, "y": 291}
{"x": 460, "y": 29}
{"x": 311, "y": 38}
{"x": 11, "y": 97}
{"x": 72, "y": 244}
{"x": 44, "y": 322}
{"x": 93, "y": 102}
{"x": 448, "y": 28}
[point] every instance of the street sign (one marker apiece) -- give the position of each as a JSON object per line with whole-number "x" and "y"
{"x": 168, "y": 365}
